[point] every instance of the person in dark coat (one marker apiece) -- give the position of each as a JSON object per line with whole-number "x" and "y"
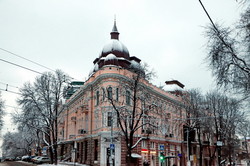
{"x": 145, "y": 163}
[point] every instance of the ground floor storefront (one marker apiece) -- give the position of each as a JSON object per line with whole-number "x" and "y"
{"x": 102, "y": 150}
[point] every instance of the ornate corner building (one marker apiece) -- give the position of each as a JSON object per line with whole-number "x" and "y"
{"x": 89, "y": 131}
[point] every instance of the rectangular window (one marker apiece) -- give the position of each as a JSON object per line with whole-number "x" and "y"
{"x": 109, "y": 123}
{"x": 109, "y": 93}
{"x": 152, "y": 145}
{"x": 97, "y": 97}
{"x": 77, "y": 150}
{"x": 103, "y": 94}
{"x": 117, "y": 94}
{"x": 96, "y": 150}
{"x": 128, "y": 102}
{"x": 85, "y": 151}
{"x": 143, "y": 144}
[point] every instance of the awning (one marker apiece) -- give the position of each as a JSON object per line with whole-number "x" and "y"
{"x": 135, "y": 155}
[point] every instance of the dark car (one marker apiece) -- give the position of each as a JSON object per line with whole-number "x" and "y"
{"x": 30, "y": 158}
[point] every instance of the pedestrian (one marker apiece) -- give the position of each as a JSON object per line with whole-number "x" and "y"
{"x": 145, "y": 163}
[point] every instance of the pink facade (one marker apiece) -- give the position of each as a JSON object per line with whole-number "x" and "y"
{"x": 88, "y": 117}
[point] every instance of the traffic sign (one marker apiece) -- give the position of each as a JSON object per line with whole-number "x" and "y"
{"x": 112, "y": 146}
{"x": 161, "y": 147}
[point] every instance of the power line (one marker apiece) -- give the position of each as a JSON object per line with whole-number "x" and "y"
{"x": 20, "y": 66}
{"x": 8, "y": 85}
{"x": 5, "y": 90}
{"x": 26, "y": 59}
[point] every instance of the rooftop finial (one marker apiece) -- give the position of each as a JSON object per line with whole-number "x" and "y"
{"x": 114, "y": 34}
{"x": 114, "y": 27}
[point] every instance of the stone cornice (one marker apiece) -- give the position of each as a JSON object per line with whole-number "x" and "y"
{"x": 101, "y": 77}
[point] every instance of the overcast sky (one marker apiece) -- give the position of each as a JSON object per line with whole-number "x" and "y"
{"x": 70, "y": 34}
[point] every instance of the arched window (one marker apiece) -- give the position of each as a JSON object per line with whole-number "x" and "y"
{"x": 128, "y": 94}
{"x": 109, "y": 93}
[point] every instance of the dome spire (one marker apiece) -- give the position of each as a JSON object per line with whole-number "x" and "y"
{"x": 114, "y": 34}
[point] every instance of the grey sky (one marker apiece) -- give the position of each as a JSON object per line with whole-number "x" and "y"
{"x": 69, "y": 35}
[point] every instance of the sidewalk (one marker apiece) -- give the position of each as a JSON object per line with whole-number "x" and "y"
{"x": 71, "y": 163}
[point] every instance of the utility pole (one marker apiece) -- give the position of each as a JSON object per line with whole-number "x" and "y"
{"x": 188, "y": 155}
{"x": 111, "y": 143}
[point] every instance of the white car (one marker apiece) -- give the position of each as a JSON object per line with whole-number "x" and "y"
{"x": 33, "y": 160}
{"x": 41, "y": 160}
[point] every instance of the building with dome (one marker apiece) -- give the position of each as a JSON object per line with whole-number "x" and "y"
{"x": 116, "y": 108}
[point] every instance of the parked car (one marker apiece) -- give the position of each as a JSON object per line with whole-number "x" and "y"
{"x": 9, "y": 159}
{"x": 33, "y": 160}
{"x": 18, "y": 158}
{"x": 42, "y": 160}
{"x": 30, "y": 158}
{"x": 25, "y": 158}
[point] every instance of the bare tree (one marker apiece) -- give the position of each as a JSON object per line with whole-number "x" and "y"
{"x": 196, "y": 116}
{"x": 227, "y": 116}
{"x": 228, "y": 54}
{"x": 243, "y": 129}
{"x": 17, "y": 143}
{"x": 132, "y": 110}
{"x": 1, "y": 111}
{"x": 40, "y": 102}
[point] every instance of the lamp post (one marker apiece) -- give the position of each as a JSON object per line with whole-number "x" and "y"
{"x": 188, "y": 155}
{"x": 111, "y": 162}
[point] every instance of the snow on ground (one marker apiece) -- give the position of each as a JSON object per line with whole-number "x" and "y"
{"x": 66, "y": 164}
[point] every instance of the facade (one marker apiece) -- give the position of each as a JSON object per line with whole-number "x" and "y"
{"x": 89, "y": 130}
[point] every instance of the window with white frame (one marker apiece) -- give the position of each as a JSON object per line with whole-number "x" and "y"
{"x": 152, "y": 145}
{"x": 143, "y": 144}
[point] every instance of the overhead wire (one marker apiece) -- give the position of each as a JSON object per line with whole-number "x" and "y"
{"x": 26, "y": 59}
{"x": 20, "y": 66}
{"x": 10, "y": 52}
{"x": 9, "y": 85}
{"x": 10, "y": 91}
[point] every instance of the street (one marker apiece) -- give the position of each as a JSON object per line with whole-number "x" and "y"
{"x": 16, "y": 163}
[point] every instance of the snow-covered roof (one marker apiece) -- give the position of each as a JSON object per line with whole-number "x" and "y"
{"x": 115, "y": 47}
{"x": 110, "y": 57}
